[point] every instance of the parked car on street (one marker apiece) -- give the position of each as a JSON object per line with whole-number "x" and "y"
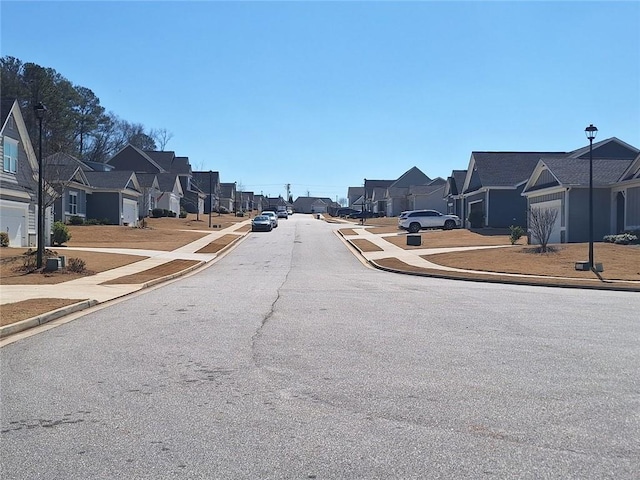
{"x": 261, "y": 223}
{"x": 281, "y": 212}
{"x": 415, "y": 220}
{"x": 273, "y": 216}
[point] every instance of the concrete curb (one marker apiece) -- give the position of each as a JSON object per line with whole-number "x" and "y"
{"x": 491, "y": 279}
{"x": 28, "y": 323}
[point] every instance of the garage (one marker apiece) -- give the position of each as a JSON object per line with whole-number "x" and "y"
{"x": 556, "y": 236}
{"x": 13, "y": 221}
{"x": 129, "y": 212}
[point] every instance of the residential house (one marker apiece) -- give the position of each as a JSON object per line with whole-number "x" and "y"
{"x": 115, "y": 196}
{"x": 453, "y": 194}
{"x": 314, "y": 205}
{"x": 131, "y": 158}
{"x": 355, "y": 196}
{"x": 561, "y": 183}
{"x": 194, "y": 198}
{"x": 66, "y": 176}
{"x": 428, "y": 197}
{"x": 209, "y": 183}
{"x": 19, "y": 180}
{"x": 494, "y": 183}
{"x": 150, "y": 187}
{"x": 227, "y": 197}
{"x": 375, "y": 195}
{"x": 170, "y": 192}
{"x": 396, "y": 196}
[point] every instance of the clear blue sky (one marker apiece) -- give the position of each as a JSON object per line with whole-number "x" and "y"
{"x": 324, "y": 94}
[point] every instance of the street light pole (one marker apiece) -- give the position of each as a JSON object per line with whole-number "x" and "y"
{"x": 591, "y": 133}
{"x": 39, "y": 110}
{"x": 210, "y": 195}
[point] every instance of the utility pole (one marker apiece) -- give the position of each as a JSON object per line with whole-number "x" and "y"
{"x": 288, "y": 187}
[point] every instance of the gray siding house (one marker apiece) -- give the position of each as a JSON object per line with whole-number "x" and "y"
{"x": 562, "y": 184}
{"x": 493, "y": 186}
{"x": 453, "y": 194}
{"x": 115, "y": 197}
{"x": 19, "y": 180}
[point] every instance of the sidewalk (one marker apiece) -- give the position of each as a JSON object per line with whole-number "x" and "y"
{"x": 92, "y": 287}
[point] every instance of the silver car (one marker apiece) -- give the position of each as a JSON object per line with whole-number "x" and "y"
{"x": 414, "y": 220}
{"x": 272, "y": 215}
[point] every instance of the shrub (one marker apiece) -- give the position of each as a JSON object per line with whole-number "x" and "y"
{"x": 75, "y": 220}
{"x": 621, "y": 239}
{"x": 157, "y": 213}
{"x": 516, "y": 233}
{"x": 76, "y": 265}
{"x": 183, "y": 213}
{"x": 92, "y": 221}
{"x": 60, "y": 233}
{"x": 4, "y": 239}
{"x": 171, "y": 214}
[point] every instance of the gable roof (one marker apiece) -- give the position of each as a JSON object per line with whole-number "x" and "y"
{"x": 129, "y": 151}
{"x": 575, "y": 171}
{"x": 62, "y": 167}
{"x": 167, "y": 182}
{"x": 202, "y": 179}
{"x": 369, "y": 185}
{"x": 608, "y": 148}
{"x": 413, "y": 176}
{"x": 502, "y": 169}
{"x": 162, "y": 158}
{"x": 148, "y": 180}
{"x": 114, "y": 180}
{"x": 455, "y": 182}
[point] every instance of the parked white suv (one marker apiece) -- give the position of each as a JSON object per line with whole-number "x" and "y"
{"x": 414, "y": 220}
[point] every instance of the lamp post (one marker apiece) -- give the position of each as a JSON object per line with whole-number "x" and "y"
{"x": 210, "y": 195}
{"x": 591, "y": 133}
{"x": 39, "y": 110}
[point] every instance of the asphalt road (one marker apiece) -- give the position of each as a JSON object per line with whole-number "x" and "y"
{"x": 290, "y": 359}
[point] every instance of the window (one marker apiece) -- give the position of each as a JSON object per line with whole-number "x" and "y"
{"x": 10, "y": 155}
{"x": 73, "y": 203}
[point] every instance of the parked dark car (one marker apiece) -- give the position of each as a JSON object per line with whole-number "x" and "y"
{"x": 345, "y": 212}
{"x": 364, "y": 214}
{"x": 261, "y": 223}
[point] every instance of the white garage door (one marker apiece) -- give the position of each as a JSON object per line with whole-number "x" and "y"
{"x": 555, "y": 232}
{"x": 13, "y": 220}
{"x": 129, "y": 212}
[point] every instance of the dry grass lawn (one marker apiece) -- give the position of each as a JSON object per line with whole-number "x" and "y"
{"x": 365, "y": 245}
{"x": 163, "y": 234}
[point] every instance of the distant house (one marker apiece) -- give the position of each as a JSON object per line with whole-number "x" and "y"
{"x": 19, "y": 180}
{"x": 355, "y": 196}
{"x": 227, "y": 196}
{"x": 314, "y": 205}
{"x": 131, "y": 158}
{"x": 453, "y": 194}
{"x": 428, "y": 197}
{"x": 397, "y": 194}
{"x": 68, "y": 180}
{"x": 561, "y": 183}
{"x": 494, "y": 183}
{"x": 150, "y": 187}
{"x": 375, "y": 200}
{"x": 114, "y": 198}
{"x": 170, "y": 192}
{"x": 209, "y": 184}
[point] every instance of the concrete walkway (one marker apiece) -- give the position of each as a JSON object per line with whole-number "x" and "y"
{"x": 90, "y": 287}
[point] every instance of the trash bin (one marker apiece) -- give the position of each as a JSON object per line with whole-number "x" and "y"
{"x": 414, "y": 240}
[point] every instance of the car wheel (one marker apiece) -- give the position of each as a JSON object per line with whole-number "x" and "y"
{"x": 449, "y": 224}
{"x": 414, "y": 227}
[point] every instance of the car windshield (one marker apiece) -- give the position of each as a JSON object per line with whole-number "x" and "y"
{"x": 262, "y": 217}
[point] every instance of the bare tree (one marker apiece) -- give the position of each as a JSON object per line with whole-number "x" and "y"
{"x": 162, "y": 137}
{"x": 541, "y": 222}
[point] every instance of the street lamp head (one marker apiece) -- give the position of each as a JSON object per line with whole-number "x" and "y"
{"x": 39, "y": 110}
{"x": 591, "y": 132}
